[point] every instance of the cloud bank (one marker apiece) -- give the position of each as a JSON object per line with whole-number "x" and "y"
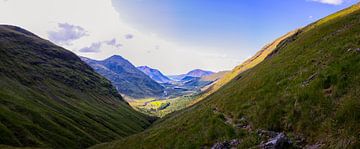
{"x": 331, "y": 2}
{"x": 96, "y": 46}
{"x": 66, "y": 33}
{"x": 94, "y": 29}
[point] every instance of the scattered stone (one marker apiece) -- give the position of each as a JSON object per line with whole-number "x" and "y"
{"x": 354, "y": 49}
{"x": 234, "y": 142}
{"x": 278, "y": 142}
{"x": 226, "y": 144}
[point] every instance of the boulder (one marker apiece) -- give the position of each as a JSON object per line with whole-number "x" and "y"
{"x": 281, "y": 141}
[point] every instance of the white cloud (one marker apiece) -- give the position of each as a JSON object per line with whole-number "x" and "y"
{"x": 66, "y": 34}
{"x": 102, "y": 23}
{"x": 93, "y": 48}
{"x": 331, "y": 2}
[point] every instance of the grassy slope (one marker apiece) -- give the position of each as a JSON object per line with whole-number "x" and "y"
{"x": 248, "y": 64}
{"x": 50, "y": 98}
{"x": 309, "y": 87}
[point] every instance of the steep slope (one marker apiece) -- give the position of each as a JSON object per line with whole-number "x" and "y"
{"x": 215, "y": 76}
{"x": 308, "y": 89}
{"x": 154, "y": 74}
{"x": 224, "y": 77}
{"x": 127, "y": 79}
{"x": 50, "y": 98}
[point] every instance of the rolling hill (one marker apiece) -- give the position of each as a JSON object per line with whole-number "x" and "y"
{"x": 305, "y": 94}
{"x": 50, "y": 98}
{"x": 127, "y": 79}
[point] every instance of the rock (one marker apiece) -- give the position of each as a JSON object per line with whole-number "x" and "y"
{"x": 221, "y": 145}
{"x": 278, "y": 142}
{"x": 355, "y": 49}
{"x": 234, "y": 142}
{"x": 226, "y": 144}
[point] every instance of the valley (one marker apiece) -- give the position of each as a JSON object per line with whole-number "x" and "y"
{"x": 307, "y": 88}
{"x": 178, "y": 94}
{"x": 302, "y": 90}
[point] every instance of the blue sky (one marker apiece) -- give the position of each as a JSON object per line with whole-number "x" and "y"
{"x": 174, "y": 36}
{"x": 236, "y": 26}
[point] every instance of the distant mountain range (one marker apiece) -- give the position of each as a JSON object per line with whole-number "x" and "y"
{"x": 300, "y": 91}
{"x": 194, "y": 73}
{"x": 154, "y": 74}
{"x": 185, "y": 84}
{"x": 199, "y": 73}
{"x": 127, "y": 79}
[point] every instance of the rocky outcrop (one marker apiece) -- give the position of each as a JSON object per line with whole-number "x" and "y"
{"x": 280, "y": 141}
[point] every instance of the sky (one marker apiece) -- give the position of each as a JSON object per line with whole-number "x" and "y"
{"x": 174, "y": 36}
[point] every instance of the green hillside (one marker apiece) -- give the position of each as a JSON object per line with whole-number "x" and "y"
{"x": 308, "y": 88}
{"x": 50, "y": 98}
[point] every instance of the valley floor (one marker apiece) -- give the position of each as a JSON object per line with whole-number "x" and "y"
{"x": 162, "y": 107}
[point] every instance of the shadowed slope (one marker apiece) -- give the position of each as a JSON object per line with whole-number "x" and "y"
{"x": 127, "y": 79}
{"x": 50, "y": 98}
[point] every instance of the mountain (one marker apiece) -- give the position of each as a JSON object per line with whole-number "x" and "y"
{"x": 215, "y": 76}
{"x": 303, "y": 94}
{"x": 51, "y": 99}
{"x": 154, "y": 74}
{"x": 199, "y": 73}
{"x": 204, "y": 80}
{"x": 192, "y": 73}
{"x": 177, "y": 77}
{"x": 189, "y": 78}
{"x": 127, "y": 79}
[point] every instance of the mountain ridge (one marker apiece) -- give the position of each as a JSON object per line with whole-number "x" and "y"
{"x": 124, "y": 74}
{"x": 192, "y": 73}
{"x": 51, "y": 99}
{"x": 154, "y": 74}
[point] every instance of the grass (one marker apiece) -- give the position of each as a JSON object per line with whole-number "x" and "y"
{"x": 309, "y": 87}
{"x": 162, "y": 107}
{"x": 49, "y": 98}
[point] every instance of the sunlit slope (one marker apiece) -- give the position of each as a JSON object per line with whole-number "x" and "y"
{"x": 50, "y": 98}
{"x": 309, "y": 89}
{"x": 248, "y": 64}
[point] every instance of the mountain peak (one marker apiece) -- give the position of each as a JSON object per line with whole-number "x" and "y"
{"x": 115, "y": 57}
{"x": 154, "y": 74}
{"x": 199, "y": 73}
{"x": 144, "y": 67}
{"x": 127, "y": 79}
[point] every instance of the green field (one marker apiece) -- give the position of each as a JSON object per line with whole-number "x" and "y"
{"x": 162, "y": 107}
